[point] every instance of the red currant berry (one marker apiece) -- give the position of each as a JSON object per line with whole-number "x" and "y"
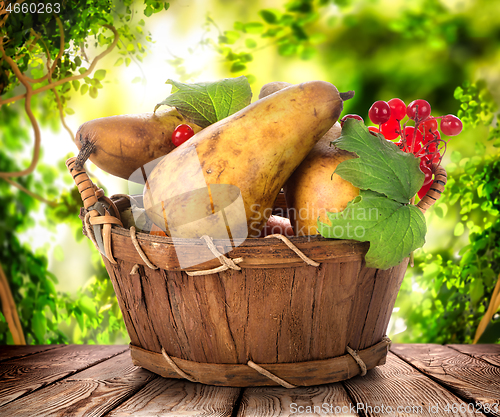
{"x": 373, "y": 130}
{"x": 423, "y": 191}
{"x": 390, "y": 129}
{"x": 350, "y": 116}
{"x": 451, "y": 125}
{"x": 413, "y": 139}
{"x": 418, "y": 110}
{"x": 429, "y": 126}
{"x": 379, "y": 112}
{"x": 426, "y": 169}
{"x": 181, "y": 134}
{"x": 398, "y": 108}
{"x": 434, "y": 136}
{"x": 431, "y": 148}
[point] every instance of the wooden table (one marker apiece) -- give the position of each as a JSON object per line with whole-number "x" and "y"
{"x": 418, "y": 380}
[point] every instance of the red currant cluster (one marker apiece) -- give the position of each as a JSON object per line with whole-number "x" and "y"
{"x": 421, "y": 139}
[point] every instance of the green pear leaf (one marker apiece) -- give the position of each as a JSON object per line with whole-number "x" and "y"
{"x": 394, "y": 230}
{"x": 205, "y": 103}
{"x": 381, "y": 166}
{"x": 382, "y": 214}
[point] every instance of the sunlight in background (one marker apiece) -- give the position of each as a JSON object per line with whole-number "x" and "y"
{"x": 120, "y": 95}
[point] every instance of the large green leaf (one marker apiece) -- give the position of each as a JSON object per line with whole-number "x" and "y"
{"x": 381, "y": 166}
{"x": 382, "y": 214}
{"x": 394, "y": 230}
{"x": 208, "y": 102}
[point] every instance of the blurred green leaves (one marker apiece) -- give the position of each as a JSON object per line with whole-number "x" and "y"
{"x": 455, "y": 286}
{"x": 48, "y": 315}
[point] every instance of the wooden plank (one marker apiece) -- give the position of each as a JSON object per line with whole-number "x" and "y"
{"x": 24, "y": 375}
{"x": 92, "y": 392}
{"x": 397, "y": 389}
{"x": 174, "y": 398}
{"x": 474, "y": 380}
{"x": 488, "y": 353}
{"x": 321, "y": 400}
{"x": 18, "y": 351}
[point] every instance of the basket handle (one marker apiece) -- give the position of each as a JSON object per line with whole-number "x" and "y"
{"x": 98, "y": 214}
{"x": 88, "y": 190}
{"x": 437, "y": 187}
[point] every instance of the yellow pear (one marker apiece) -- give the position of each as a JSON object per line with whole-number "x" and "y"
{"x": 122, "y": 144}
{"x": 224, "y": 180}
{"x": 313, "y": 189}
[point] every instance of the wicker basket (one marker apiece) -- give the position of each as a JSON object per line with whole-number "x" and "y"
{"x": 293, "y": 312}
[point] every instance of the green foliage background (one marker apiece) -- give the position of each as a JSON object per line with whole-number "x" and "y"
{"x": 445, "y": 52}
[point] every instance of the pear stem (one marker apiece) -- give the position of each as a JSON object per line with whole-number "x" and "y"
{"x": 347, "y": 95}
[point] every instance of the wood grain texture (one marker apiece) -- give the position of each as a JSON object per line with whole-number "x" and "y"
{"x": 92, "y": 392}
{"x": 488, "y": 353}
{"x": 23, "y": 375}
{"x": 174, "y": 398}
{"x": 397, "y": 384}
{"x": 472, "y": 379}
{"x": 108, "y": 384}
{"x": 323, "y": 400}
{"x": 18, "y": 351}
{"x": 280, "y": 315}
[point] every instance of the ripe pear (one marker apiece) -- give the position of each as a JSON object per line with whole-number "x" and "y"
{"x": 122, "y": 144}
{"x": 313, "y": 189}
{"x": 270, "y": 88}
{"x": 224, "y": 180}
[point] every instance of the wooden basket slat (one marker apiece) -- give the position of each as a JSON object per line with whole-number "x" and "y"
{"x": 123, "y": 302}
{"x": 266, "y": 315}
{"x": 383, "y": 298}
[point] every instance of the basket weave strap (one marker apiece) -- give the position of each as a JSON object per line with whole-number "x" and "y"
{"x": 251, "y": 364}
{"x": 227, "y": 263}
{"x": 299, "y": 253}
{"x": 175, "y": 367}
{"x": 270, "y": 375}
{"x": 359, "y": 361}
{"x": 140, "y": 252}
{"x": 92, "y": 219}
{"x": 435, "y": 191}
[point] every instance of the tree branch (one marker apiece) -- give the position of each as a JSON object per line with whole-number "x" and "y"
{"x": 31, "y": 193}
{"x": 27, "y": 106}
{"x": 50, "y": 68}
{"x": 61, "y": 115}
{"x": 29, "y": 92}
{"x": 10, "y": 310}
{"x": 74, "y": 77}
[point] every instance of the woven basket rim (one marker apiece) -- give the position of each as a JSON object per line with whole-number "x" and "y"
{"x": 249, "y": 241}
{"x": 270, "y": 252}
